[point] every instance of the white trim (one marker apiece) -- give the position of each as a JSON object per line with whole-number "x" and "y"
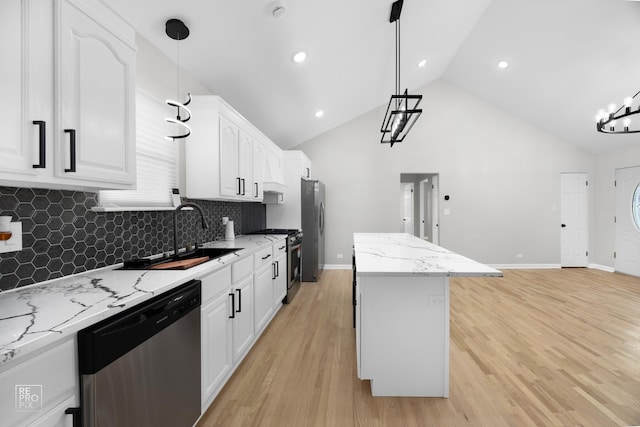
{"x": 337, "y": 266}
{"x": 131, "y": 208}
{"x": 602, "y": 267}
{"x": 524, "y": 266}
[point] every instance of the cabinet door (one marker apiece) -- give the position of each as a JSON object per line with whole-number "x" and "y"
{"x": 280, "y": 280}
{"x": 263, "y": 288}
{"x": 306, "y": 167}
{"x": 229, "y": 177}
{"x": 56, "y": 417}
{"x": 217, "y": 357}
{"x": 245, "y": 165}
{"x": 96, "y": 78}
{"x": 243, "y": 323}
{"x": 257, "y": 190}
{"x": 26, "y": 86}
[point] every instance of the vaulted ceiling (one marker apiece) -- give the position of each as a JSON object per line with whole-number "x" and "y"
{"x": 567, "y": 58}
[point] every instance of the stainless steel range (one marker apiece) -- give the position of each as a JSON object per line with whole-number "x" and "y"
{"x": 294, "y": 241}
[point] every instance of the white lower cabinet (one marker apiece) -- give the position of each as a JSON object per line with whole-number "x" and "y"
{"x": 37, "y": 391}
{"x": 279, "y": 278}
{"x": 217, "y": 361}
{"x": 243, "y": 334}
{"x": 262, "y": 280}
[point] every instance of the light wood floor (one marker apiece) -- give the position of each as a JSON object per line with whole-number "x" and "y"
{"x": 534, "y": 348}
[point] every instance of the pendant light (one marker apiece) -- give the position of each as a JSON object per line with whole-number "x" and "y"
{"x": 176, "y": 30}
{"x": 402, "y": 111}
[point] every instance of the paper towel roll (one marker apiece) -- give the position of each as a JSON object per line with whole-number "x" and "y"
{"x": 228, "y": 231}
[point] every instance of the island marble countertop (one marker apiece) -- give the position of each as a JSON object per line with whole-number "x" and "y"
{"x": 34, "y": 316}
{"x": 400, "y": 254}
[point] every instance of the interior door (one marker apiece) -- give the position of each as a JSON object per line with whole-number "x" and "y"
{"x": 627, "y": 246}
{"x": 574, "y": 233}
{"x": 435, "y": 210}
{"x": 407, "y": 208}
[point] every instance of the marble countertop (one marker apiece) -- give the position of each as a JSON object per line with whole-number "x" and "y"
{"x": 399, "y": 254}
{"x": 34, "y": 316}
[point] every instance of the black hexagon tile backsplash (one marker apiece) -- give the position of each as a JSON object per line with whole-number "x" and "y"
{"x": 62, "y": 236}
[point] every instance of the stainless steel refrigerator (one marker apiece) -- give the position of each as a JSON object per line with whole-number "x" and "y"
{"x": 312, "y": 199}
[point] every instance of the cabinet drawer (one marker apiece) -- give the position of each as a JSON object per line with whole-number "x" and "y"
{"x": 279, "y": 247}
{"x": 241, "y": 269}
{"x": 51, "y": 375}
{"x": 262, "y": 257}
{"x": 215, "y": 283}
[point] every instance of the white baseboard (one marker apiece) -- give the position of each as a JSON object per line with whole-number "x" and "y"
{"x": 524, "y": 266}
{"x": 602, "y": 267}
{"x": 337, "y": 266}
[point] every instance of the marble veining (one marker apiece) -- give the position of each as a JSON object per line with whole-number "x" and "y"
{"x": 34, "y": 316}
{"x": 403, "y": 254}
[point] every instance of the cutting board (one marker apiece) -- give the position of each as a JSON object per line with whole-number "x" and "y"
{"x": 180, "y": 265}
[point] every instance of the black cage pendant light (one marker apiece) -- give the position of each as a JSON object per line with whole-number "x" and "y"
{"x": 176, "y": 30}
{"x": 402, "y": 111}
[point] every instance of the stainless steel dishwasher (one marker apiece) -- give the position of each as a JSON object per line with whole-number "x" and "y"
{"x": 142, "y": 367}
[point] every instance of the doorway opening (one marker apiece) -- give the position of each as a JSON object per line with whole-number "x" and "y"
{"x": 419, "y": 205}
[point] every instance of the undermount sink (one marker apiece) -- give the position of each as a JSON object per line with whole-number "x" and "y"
{"x": 159, "y": 263}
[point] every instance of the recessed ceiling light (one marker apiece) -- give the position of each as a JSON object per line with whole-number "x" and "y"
{"x": 422, "y": 63}
{"x": 319, "y": 113}
{"x": 503, "y": 64}
{"x": 299, "y": 57}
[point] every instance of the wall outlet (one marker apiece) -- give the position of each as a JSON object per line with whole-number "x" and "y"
{"x": 436, "y": 301}
{"x": 339, "y": 256}
{"x": 15, "y": 242}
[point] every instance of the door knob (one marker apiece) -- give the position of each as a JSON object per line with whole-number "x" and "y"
{"x": 563, "y": 225}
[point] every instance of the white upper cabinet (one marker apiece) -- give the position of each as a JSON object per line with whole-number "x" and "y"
{"x": 229, "y": 178}
{"x": 93, "y": 77}
{"x": 259, "y": 160}
{"x": 245, "y": 165}
{"x": 224, "y": 154}
{"x": 96, "y": 101}
{"x": 26, "y": 88}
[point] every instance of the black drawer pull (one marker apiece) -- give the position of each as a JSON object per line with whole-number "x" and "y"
{"x": 233, "y": 306}
{"x": 72, "y": 149}
{"x": 42, "y": 144}
{"x": 239, "y": 291}
{"x": 266, "y": 256}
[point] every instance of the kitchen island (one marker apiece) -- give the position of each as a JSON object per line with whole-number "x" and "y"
{"x": 402, "y": 312}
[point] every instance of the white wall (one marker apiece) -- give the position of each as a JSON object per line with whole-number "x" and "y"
{"x": 502, "y": 174}
{"x": 156, "y": 76}
{"x": 606, "y": 165}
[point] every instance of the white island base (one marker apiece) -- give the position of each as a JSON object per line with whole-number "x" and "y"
{"x": 402, "y": 312}
{"x": 404, "y": 335}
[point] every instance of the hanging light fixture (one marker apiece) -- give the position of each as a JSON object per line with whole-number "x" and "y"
{"x": 402, "y": 111}
{"x": 607, "y": 121}
{"x": 176, "y": 30}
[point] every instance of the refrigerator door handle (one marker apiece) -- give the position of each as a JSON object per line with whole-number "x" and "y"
{"x": 321, "y": 218}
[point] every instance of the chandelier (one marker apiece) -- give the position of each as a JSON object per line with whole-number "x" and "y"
{"x": 402, "y": 111}
{"x": 176, "y": 30}
{"x": 607, "y": 121}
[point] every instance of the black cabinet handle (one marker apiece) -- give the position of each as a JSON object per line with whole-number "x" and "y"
{"x": 266, "y": 256}
{"x": 281, "y": 248}
{"x": 243, "y": 189}
{"x": 256, "y": 184}
{"x": 277, "y": 268}
{"x": 273, "y": 271}
{"x": 42, "y": 161}
{"x": 76, "y": 416}
{"x": 72, "y": 149}
{"x": 308, "y": 173}
{"x": 238, "y": 189}
{"x": 563, "y": 225}
{"x": 239, "y": 291}
{"x": 233, "y": 306}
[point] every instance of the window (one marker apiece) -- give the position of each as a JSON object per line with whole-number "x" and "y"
{"x": 156, "y": 162}
{"x": 635, "y": 207}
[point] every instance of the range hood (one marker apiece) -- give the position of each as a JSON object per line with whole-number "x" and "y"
{"x": 273, "y": 179}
